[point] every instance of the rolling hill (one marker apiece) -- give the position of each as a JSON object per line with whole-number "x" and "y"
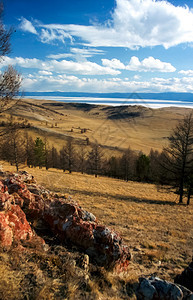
{"x": 113, "y": 127}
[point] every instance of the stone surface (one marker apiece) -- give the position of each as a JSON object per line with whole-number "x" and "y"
{"x": 157, "y": 289}
{"x": 14, "y": 226}
{"x": 103, "y": 245}
{"x": 186, "y": 278}
{"x": 67, "y": 220}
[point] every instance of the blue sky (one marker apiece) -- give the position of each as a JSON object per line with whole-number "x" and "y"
{"x": 102, "y": 46}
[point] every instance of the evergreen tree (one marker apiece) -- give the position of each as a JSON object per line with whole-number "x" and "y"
{"x": 39, "y": 152}
{"x": 142, "y": 167}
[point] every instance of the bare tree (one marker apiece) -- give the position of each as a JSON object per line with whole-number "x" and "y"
{"x": 13, "y": 147}
{"x": 127, "y": 164}
{"x": 82, "y": 156}
{"x": 29, "y": 148}
{"x": 95, "y": 159}
{"x": 63, "y": 159}
{"x": 10, "y": 80}
{"x": 69, "y": 151}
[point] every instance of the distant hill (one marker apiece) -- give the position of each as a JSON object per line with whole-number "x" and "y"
{"x": 113, "y": 127}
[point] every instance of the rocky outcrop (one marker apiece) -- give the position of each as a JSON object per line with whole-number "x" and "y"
{"x": 157, "y": 289}
{"x": 67, "y": 220}
{"x": 73, "y": 224}
{"x": 186, "y": 278}
{"x": 14, "y": 226}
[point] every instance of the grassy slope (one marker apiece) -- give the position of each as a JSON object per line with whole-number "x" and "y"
{"x": 110, "y": 126}
{"x": 158, "y": 230}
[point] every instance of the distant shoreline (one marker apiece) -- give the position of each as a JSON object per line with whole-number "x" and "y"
{"x": 150, "y": 103}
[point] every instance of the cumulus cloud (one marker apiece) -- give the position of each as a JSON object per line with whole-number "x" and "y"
{"x": 46, "y": 73}
{"x": 26, "y": 25}
{"x": 134, "y": 23}
{"x": 73, "y": 83}
{"x": 63, "y": 66}
{"x": 84, "y": 68}
{"x": 149, "y": 64}
{"x": 186, "y": 73}
{"x": 113, "y": 63}
{"x": 20, "y": 61}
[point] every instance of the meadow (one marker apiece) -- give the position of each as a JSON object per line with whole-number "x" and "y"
{"x": 157, "y": 229}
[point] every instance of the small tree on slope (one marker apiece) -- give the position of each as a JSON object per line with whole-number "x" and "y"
{"x": 178, "y": 160}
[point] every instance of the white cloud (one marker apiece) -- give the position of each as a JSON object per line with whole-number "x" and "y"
{"x": 134, "y": 23}
{"x": 149, "y": 64}
{"x": 46, "y": 73}
{"x": 85, "y": 68}
{"x": 20, "y": 61}
{"x": 54, "y": 35}
{"x": 63, "y": 66}
{"x": 26, "y": 25}
{"x": 77, "y": 53}
{"x": 113, "y": 63}
{"x": 73, "y": 83}
{"x": 86, "y": 52}
{"x": 60, "y": 55}
{"x": 186, "y": 73}
{"x": 136, "y": 77}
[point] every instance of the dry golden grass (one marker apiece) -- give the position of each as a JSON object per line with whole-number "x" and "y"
{"x": 10, "y": 280}
{"x": 158, "y": 230}
{"x": 142, "y": 133}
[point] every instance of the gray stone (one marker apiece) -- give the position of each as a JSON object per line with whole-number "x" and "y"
{"x": 157, "y": 289}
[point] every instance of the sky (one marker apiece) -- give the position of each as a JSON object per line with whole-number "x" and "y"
{"x": 101, "y": 46}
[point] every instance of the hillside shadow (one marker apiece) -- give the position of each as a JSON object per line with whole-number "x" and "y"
{"x": 121, "y": 197}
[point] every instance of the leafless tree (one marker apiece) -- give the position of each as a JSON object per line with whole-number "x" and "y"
{"x": 82, "y": 156}
{"x": 70, "y": 155}
{"x": 10, "y": 79}
{"x": 13, "y": 147}
{"x": 10, "y": 82}
{"x": 95, "y": 159}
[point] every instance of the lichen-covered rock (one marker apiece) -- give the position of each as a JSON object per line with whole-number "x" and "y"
{"x": 13, "y": 226}
{"x": 186, "y": 278}
{"x": 67, "y": 220}
{"x": 103, "y": 245}
{"x": 157, "y": 289}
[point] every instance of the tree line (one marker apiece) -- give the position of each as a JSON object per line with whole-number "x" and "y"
{"x": 173, "y": 166}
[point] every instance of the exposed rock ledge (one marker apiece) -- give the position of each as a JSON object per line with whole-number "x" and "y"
{"x": 22, "y": 200}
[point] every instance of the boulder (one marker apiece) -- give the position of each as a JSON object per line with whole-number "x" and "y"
{"x": 72, "y": 224}
{"x": 186, "y": 278}
{"x": 158, "y": 289}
